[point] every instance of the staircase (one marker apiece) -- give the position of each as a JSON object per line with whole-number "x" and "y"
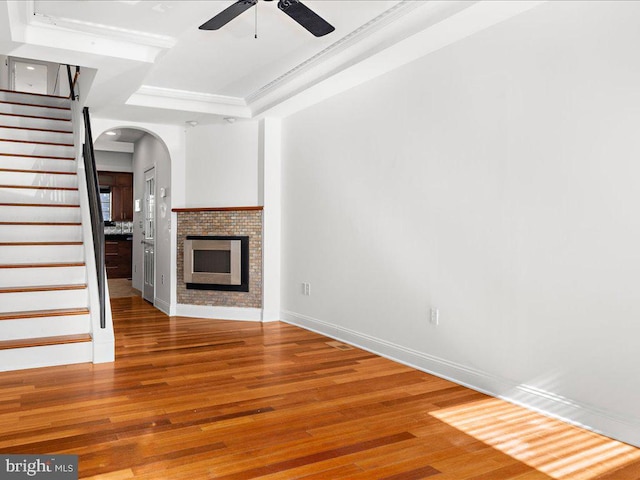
{"x": 44, "y": 299}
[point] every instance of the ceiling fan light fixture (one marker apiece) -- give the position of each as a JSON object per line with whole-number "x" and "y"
{"x": 191, "y": 123}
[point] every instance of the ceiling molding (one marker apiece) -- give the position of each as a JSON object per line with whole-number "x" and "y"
{"x": 189, "y": 95}
{"x": 126, "y": 35}
{"x": 172, "y": 99}
{"x": 358, "y": 35}
{"x": 454, "y": 22}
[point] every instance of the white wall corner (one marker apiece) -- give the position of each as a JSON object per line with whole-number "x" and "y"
{"x": 271, "y": 162}
{"x": 162, "y": 305}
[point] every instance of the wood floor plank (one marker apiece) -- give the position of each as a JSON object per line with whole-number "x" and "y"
{"x": 201, "y": 399}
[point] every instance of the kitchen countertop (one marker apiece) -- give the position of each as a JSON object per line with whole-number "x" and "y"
{"x": 118, "y": 236}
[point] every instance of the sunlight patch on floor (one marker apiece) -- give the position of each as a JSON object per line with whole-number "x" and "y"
{"x": 562, "y": 451}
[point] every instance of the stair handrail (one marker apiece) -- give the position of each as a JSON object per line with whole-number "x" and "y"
{"x": 97, "y": 220}
{"x": 72, "y": 82}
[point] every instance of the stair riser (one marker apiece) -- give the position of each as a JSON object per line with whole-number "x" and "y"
{"x": 27, "y": 277}
{"x": 28, "y": 122}
{"x": 39, "y": 214}
{"x": 47, "y": 300}
{"x": 15, "y": 148}
{"x": 35, "y": 135}
{"x": 33, "y": 195}
{"x": 48, "y": 356}
{"x": 40, "y": 233}
{"x": 44, "y": 327}
{"x": 38, "y": 179}
{"x": 18, "y": 97}
{"x": 42, "y": 254}
{"x": 38, "y": 164}
{"x": 34, "y": 111}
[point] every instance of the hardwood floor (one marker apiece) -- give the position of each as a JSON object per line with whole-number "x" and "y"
{"x": 200, "y": 399}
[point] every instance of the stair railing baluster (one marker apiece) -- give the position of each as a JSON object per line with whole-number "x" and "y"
{"x": 97, "y": 220}
{"x": 91, "y": 172}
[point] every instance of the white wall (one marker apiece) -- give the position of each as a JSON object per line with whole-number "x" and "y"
{"x": 495, "y": 180}
{"x": 4, "y": 72}
{"x": 150, "y": 152}
{"x": 114, "y": 161}
{"x": 222, "y": 165}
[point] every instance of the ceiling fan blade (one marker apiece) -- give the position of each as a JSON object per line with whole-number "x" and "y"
{"x": 228, "y": 14}
{"x": 305, "y": 17}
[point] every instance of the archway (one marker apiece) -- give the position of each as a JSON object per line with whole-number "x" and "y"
{"x": 133, "y": 151}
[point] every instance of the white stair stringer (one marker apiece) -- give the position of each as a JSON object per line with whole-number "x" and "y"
{"x": 47, "y": 271}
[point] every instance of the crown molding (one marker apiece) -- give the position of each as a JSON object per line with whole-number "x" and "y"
{"x": 363, "y": 32}
{"x": 173, "y": 99}
{"x": 122, "y": 34}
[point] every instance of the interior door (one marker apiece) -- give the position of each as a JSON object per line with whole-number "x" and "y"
{"x": 148, "y": 264}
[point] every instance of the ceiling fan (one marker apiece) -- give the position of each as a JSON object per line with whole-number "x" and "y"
{"x": 294, "y": 8}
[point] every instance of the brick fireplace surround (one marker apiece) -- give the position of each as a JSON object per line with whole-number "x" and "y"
{"x": 240, "y": 221}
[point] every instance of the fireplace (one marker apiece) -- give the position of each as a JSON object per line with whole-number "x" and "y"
{"x": 216, "y": 263}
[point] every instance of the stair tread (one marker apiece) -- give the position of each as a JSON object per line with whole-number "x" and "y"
{"x": 46, "y": 95}
{"x": 39, "y": 187}
{"x": 31, "y": 244}
{"x": 24, "y": 155}
{"x": 37, "y": 105}
{"x": 64, "y": 205}
{"x": 45, "y": 224}
{"x": 39, "y": 117}
{"x": 37, "y": 172}
{"x": 32, "y": 142}
{"x": 44, "y": 341}
{"x": 33, "y": 129}
{"x": 42, "y": 265}
{"x": 58, "y": 312}
{"x": 43, "y": 288}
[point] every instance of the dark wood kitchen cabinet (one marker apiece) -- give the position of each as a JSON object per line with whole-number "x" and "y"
{"x": 120, "y": 186}
{"x": 118, "y": 252}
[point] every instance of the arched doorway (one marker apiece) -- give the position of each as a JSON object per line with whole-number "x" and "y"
{"x": 135, "y": 152}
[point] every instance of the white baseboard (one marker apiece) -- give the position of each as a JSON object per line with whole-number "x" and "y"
{"x": 219, "y": 313}
{"x": 576, "y": 413}
{"x": 163, "y": 306}
{"x": 270, "y": 315}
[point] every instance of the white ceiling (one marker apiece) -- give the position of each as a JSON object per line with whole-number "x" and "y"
{"x": 153, "y": 64}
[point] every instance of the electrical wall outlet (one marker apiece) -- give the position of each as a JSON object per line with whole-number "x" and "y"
{"x": 434, "y": 316}
{"x": 305, "y": 288}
